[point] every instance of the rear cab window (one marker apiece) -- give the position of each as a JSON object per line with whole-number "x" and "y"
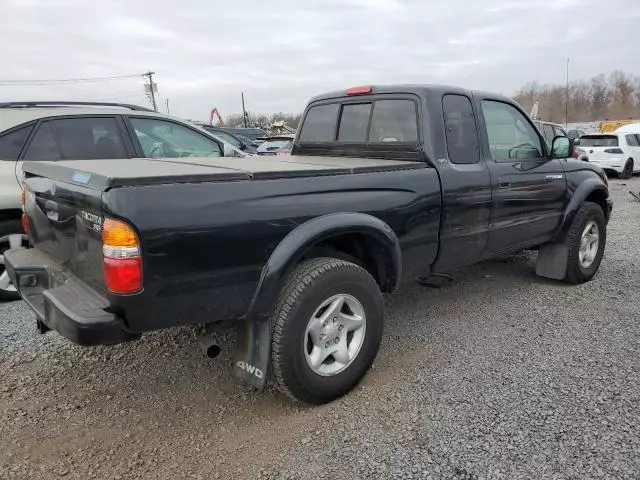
{"x": 372, "y": 121}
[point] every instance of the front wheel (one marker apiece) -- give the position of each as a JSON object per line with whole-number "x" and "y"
{"x": 586, "y": 241}
{"x": 11, "y": 236}
{"x": 327, "y": 328}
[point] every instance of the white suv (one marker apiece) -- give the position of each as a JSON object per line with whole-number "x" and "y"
{"x": 618, "y": 152}
{"x": 50, "y": 131}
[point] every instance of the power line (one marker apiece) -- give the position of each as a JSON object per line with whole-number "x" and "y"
{"x": 61, "y": 81}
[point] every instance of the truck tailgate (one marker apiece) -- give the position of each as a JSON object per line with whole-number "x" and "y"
{"x": 63, "y": 202}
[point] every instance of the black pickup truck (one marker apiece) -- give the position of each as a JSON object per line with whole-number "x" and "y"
{"x": 385, "y": 185}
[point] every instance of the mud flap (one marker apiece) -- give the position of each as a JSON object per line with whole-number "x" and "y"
{"x": 552, "y": 260}
{"x": 253, "y": 347}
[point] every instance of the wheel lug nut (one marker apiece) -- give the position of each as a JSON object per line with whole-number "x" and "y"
{"x": 326, "y": 345}
{"x": 337, "y": 340}
{"x": 340, "y": 328}
{"x": 325, "y": 323}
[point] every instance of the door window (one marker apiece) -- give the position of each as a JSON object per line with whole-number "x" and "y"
{"x": 161, "y": 138}
{"x": 632, "y": 141}
{"x": 460, "y": 128}
{"x": 88, "y": 138}
{"x": 11, "y": 143}
{"x": 511, "y": 136}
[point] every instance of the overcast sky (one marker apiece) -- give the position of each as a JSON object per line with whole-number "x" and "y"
{"x": 280, "y": 53}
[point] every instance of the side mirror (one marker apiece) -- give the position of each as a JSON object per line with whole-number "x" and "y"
{"x": 562, "y": 147}
{"x": 576, "y": 141}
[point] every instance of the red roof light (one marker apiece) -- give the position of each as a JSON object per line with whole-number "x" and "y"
{"x": 362, "y": 90}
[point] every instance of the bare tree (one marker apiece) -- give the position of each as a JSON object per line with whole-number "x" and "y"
{"x": 601, "y": 97}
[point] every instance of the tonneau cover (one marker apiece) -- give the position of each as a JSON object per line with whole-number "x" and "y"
{"x": 105, "y": 174}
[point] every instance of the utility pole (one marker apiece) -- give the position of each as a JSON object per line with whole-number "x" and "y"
{"x": 167, "y": 103}
{"x": 566, "y": 99}
{"x": 152, "y": 87}
{"x": 244, "y": 113}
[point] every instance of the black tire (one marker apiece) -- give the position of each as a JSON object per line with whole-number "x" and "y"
{"x": 8, "y": 227}
{"x": 307, "y": 287}
{"x": 627, "y": 172}
{"x": 576, "y": 273}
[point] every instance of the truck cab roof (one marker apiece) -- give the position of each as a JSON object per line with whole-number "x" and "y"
{"x": 415, "y": 89}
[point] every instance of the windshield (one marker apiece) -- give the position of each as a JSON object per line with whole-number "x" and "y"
{"x": 599, "y": 141}
{"x": 275, "y": 144}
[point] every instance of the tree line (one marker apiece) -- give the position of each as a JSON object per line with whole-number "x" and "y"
{"x": 602, "y": 97}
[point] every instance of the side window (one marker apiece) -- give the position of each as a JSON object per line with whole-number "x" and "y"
{"x": 632, "y": 141}
{"x": 637, "y": 135}
{"x": 548, "y": 133}
{"x": 43, "y": 146}
{"x": 394, "y": 121}
{"x": 460, "y": 128}
{"x": 161, "y": 138}
{"x": 320, "y": 123}
{"x": 88, "y": 138}
{"x": 11, "y": 143}
{"x": 559, "y": 132}
{"x": 511, "y": 136}
{"x": 354, "y": 122}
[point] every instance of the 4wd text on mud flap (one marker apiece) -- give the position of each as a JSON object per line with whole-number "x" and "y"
{"x": 250, "y": 368}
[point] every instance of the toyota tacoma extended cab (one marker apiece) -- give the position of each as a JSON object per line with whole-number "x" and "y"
{"x": 385, "y": 184}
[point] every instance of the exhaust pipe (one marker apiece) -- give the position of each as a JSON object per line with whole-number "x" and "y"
{"x": 209, "y": 344}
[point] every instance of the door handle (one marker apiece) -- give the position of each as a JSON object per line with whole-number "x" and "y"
{"x": 505, "y": 184}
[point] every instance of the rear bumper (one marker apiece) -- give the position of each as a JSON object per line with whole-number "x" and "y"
{"x": 62, "y": 302}
{"x": 615, "y": 164}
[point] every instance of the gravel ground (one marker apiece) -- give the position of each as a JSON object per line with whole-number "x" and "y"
{"x": 498, "y": 375}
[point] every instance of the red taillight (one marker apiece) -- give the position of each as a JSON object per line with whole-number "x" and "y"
{"x": 121, "y": 252}
{"x": 362, "y": 90}
{"x": 123, "y": 275}
{"x": 617, "y": 151}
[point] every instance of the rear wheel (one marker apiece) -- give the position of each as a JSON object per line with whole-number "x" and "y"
{"x": 586, "y": 241}
{"x": 627, "y": 172}
{"x": 11, "y": 236}
{"x": 327, "y": 328}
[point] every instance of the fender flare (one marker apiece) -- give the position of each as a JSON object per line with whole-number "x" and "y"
{"x": 253, "y": 344}
{"x": 585, "y": 189}
{"x": 293, "y": 247}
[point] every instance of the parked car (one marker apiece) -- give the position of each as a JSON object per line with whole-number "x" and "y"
{"x": 385, "y": 184}
{"x": 617, "y": 152}
{"x": 276, "y": 145}
{"x": 576, "y": 135}
{"x": 551, "y": 130}
{"x": 256, "y": 135}
{"x": 51, "y": 131}
{"x": 241, "y": 143}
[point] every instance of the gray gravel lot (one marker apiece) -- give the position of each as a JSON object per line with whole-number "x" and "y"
{"x": 499, "y": 375}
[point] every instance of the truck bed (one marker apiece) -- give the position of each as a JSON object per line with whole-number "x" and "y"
{"x": 105, "y": 174}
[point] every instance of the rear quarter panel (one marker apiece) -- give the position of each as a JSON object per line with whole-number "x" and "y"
{"x": 205, "y": 245}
